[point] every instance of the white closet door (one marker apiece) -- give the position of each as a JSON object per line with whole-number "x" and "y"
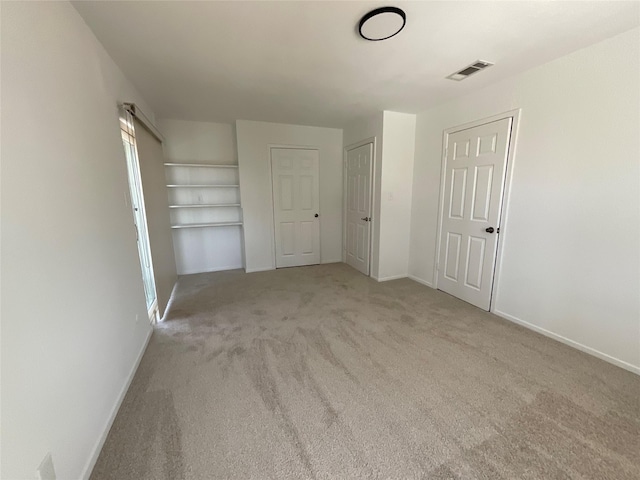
{"x": 296, "y": 201}
{"x": 476, "y": 160}
{"x": 359, "y": 168}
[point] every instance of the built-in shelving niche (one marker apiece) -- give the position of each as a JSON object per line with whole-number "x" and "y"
{"x": 206, "y": 215}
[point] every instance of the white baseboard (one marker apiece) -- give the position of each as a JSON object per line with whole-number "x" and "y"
{"x": 420, "y": 280}
{"x": 567, "y": 341}
{"x": 255, "y": 270}
{"x": 323, "y": 262}
{"x": 392, "y": 277}
{"x": 217, "y": 269}
{"x": 95, "y": 453}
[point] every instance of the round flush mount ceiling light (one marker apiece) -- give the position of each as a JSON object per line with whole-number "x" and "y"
{"x": 382, "y": 23}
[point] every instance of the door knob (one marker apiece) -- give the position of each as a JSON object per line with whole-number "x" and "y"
{"x": 316, "y": 215}
{"x": 489, "y": 230}
{"x": 366, "y": 219}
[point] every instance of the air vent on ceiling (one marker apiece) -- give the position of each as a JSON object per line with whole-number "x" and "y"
{"x": 469, "y": 70}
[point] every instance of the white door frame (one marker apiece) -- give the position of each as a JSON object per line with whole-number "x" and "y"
{"x": 345, "y": 153}
{"x": 271, "y": 146}
{"x": 136, "y": 197}
{"x": 504, "y": 204}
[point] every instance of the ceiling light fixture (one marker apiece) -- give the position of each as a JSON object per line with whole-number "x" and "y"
{"x": 382, "y": 23}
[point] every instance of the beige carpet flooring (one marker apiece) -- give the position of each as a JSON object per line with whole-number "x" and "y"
{"x": 322, "y": 373}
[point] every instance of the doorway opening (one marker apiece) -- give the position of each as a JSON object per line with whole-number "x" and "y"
{"x": 139, "y": 214}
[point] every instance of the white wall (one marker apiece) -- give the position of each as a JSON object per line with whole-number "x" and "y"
{"x": 72, "y": 285}
{"x": 254, "y": 139}
{"x": 570, "y": 264}
{"x": 199, "y": 142}
{"x": 363, "y": 128}
{"x": 204, "y": 249}
{"x": 398, "y": 144}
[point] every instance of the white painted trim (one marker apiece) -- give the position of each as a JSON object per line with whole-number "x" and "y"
{"x": 345, "y": 153}
{"x": 504, "y": 207}
{"x": 420, "y": 280}
{"x": 170, "y": 301}
{"x": 572, "y": 343}
{"x": 504, "y": 210}
{"x": 293, "y": 147}
{"x": 137, "y": 113}
{"x": 217, "y": 269}
{"x": 344, "y": 204}
{"x": 95, "y": 453}
{"x": 335, "y": 260}
{"x": 443, "y": 174}
{"x": 392, "y": 277}
{"x": 256, "y": 270}
{"x": 154, "y": 310}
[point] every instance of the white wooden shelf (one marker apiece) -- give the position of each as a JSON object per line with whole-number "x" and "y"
{"x": 203, "y": 186}
{"x": 204, "y": 205}
{"x": 201, "y": 225}
{"x": 199, "y": 165}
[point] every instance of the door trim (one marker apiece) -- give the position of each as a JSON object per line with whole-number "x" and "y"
{"x": 345, "y": 153}
{"x": 504, "y": 205}
{"x": 274, "y": 253}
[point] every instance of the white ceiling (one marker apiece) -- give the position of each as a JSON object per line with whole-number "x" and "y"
{"x": 303, "y": 62}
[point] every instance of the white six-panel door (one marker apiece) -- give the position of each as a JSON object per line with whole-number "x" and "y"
{"x": 359, "y": 169}
{"x": 296, "y": 202}
{"x": 475, "y": 170}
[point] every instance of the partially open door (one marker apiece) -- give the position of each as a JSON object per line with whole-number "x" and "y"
{"x": 359, "y": 174}
{"x": 475, "y": 169}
